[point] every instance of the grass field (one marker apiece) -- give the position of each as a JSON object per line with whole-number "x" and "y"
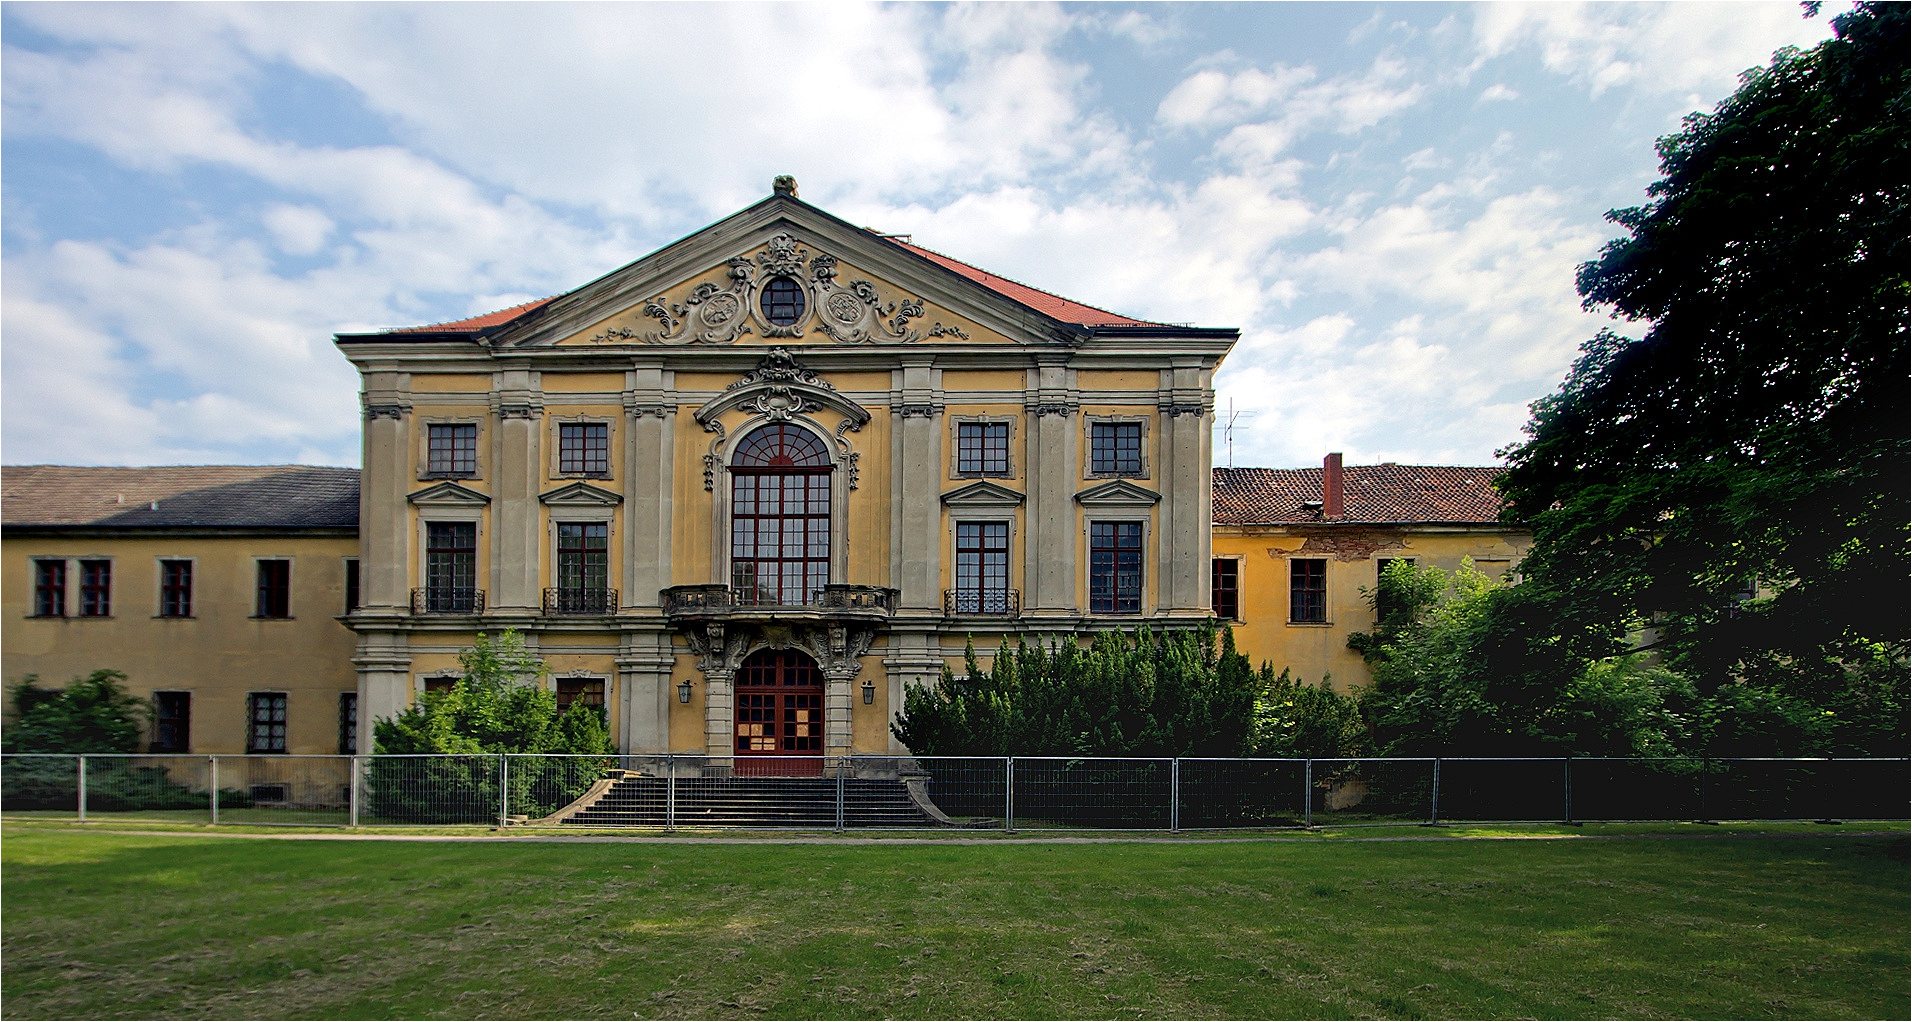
{"x": 1802, "y": 924}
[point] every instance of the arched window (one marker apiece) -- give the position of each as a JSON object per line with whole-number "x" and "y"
{"x": 779, "y": 516}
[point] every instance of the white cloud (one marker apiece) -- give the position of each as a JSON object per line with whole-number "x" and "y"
{"x": 1267, "y": 110}
{"x": 1498, "y": 93}
{"x": 1668, "y": 48}
{"x": 298, "y": 230}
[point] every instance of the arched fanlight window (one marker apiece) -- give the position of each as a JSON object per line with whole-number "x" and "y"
{"x": 782, "y": 301}
{"x": 779, "y": 516}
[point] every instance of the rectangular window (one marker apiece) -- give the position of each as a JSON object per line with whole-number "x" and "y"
{"x": 351, "y": 584}
{"x": 582, "y": 562}
{"x": 1307, "y": 590}
{"x": 451, "y": 567}
{"x": 451, "y": 449}
{"x": 175, "y": 589}
{"x": 1115, "y": 448}
{"x": 265, "y": 717}
{"x": 584, "y": 448}
{"x": 1115, "y": 567}
{"x": 1225, "y": 588}
{"x": 982, "y": 448}
{"x": 1384, "y": 607}
{"x": 172, "y": 722}
{"x": 348, "y": 723}
{"x": 275, "y": 589}
{"x": 589, "y": 691}
{"x": 96, "y": 588}
{"x": 982, "y": 568}
{"x": 49, "y": 588}
{"x": 442, "y": 683}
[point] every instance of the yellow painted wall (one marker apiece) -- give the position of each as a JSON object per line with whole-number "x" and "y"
{"x": 1312, "y": 651}
{"x": 220, "y": 653}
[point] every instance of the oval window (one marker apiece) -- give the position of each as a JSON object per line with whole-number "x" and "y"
{"x": 782, "y": 301}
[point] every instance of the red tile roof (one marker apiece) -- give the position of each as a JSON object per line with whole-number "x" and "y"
{"x": 474, "y": 324}
{"x": 1051, "y": 305}
{"x": 1373, "y": 493}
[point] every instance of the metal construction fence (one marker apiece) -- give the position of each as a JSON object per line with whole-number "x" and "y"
{"x": 868, "y": 792}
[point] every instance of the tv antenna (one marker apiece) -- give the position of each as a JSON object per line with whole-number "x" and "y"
{"x": 1228, "y": 429}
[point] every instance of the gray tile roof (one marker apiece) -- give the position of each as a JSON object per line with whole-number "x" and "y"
{"x": 260, "y": 497}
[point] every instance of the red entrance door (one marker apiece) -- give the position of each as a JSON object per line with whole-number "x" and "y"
{"x": 779, "y": 714}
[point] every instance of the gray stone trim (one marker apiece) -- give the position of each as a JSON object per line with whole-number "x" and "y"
{"x": 956, "y": 424}
{"x": 581, "y": 418}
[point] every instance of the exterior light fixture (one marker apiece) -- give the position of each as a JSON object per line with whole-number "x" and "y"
{"x": 869, "y": 692}
{"x": 683, "y": 691}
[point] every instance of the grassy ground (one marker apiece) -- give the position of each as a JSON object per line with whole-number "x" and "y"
{"x": 1800, "y": 924}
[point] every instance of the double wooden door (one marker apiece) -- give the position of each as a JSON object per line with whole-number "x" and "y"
{"x": 779, "y": 700}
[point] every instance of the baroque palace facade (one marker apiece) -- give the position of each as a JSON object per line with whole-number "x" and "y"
{"x": 741, "y": 492}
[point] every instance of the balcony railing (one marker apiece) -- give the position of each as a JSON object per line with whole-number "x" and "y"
{"x": 833, "y": 600}
{"x": 435, "y": 600}
{"x": 1001, "y": 602}
{"x": 580, "y": 601}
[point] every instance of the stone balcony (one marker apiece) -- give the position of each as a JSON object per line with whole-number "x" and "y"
{"x": 836, "y": 602}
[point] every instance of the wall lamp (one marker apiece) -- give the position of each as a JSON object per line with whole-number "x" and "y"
{"x": 869, "y": 692}
{"x": 683, "y": 691}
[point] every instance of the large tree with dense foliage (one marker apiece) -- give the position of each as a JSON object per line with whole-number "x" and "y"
{"x": 1753, "y": 438}
{"x": 91, "y": 714}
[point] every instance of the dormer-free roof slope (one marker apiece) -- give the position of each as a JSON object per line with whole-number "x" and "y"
{"x": 257, "y": 497}
{"x": 1373, "y": 494}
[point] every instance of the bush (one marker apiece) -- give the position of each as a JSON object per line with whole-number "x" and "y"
{"x": 91, "y": 714}
{"x": 1297, "y": 720}
{"x": 1142, "y": 693}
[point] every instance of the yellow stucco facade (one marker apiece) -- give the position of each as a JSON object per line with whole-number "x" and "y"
{"x": 219, "y": 654}
{"x": 1271, "y": 628}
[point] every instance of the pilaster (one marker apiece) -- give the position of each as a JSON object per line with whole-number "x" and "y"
{"x": 644, "y": 668}
{"x": 649, "y": 457}
{"x": 1054, "y": 466}
{"x": 516, "y": 536}
{"x": 916, "y": 401}
{"x": 384, "y": 516}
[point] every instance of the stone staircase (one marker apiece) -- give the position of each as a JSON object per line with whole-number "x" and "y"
{"x": 632, "y": 799}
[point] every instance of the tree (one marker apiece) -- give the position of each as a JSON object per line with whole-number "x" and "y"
{"x": 94, "y": 714}
{"x": 496, "y": 707}
{"x": 1736, "y": 475}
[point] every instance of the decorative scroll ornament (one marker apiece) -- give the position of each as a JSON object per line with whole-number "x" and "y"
{"x": 711, "y": 315}
{"x": 857, "y": 314}
{"x": 779, "y": 366}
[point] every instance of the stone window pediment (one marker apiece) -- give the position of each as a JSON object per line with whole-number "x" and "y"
{"x": 448, "y": 494}
{"x": 1117, "y": 494}
{"x": 581, "y": 495}
{"x": 982, "y": 496}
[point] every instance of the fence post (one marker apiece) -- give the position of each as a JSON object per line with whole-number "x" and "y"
{"x": 1566, "y": 791}
{"x": 1307, "y": 793}
{"x": 839, "y": 795}
{"x": 504, "y": 788}
{"x": 1701, "y": 817}
{"x": 82, "y": 789}
{"x": 1434, "y": 803}
{"x": 354, "y": 799}
{"x": 212, "y": 786}
{"x": 1009, "y": 795}
{"x": 1174, "y": 794}
{"x": 670, "y": 791}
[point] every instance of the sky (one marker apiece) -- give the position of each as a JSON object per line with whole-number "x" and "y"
{"x": 1388, "y": 200}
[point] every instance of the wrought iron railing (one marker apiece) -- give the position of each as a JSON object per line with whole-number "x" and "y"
{"x": 435, "y": 600}
{"x": 982, "y": 601}
{"x": 580, "y": 601}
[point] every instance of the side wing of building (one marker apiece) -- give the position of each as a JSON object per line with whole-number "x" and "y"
{"x": 217, "y": 591}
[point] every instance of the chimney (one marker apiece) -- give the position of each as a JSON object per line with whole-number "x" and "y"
{"x": 1332, "y": 504}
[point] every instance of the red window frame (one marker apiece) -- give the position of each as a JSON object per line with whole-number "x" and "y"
{"x": 49, "y": 588}
{"x": 780, "y": 517}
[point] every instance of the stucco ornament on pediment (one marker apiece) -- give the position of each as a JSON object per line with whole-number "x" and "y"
{"x": 722, "y": 313}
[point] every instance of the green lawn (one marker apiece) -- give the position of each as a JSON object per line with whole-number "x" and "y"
{"x": 1800, "y": 925}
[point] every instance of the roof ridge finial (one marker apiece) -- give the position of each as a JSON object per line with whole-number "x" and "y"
{"x": 784, "y": 185}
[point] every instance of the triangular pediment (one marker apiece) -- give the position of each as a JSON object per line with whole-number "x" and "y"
{"x": 581, "y": 495}
{"x": 853, "y": 287}
{"x": 982, "y": 495}
{"x": 449, "y": 494}
{"x": 1118, "y": 493}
